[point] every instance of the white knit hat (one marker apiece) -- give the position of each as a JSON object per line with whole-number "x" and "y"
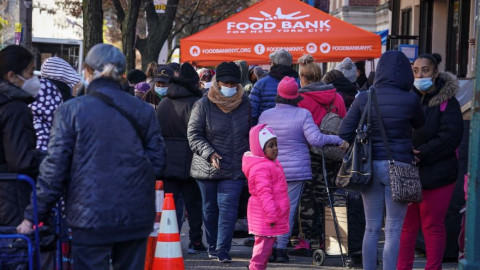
{"x": 265, "y": 134}
{"x": 348, "y": 68}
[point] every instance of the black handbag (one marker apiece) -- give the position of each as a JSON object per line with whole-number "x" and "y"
{"x": 404, "y": 179}
{"x": 356, "y": 170}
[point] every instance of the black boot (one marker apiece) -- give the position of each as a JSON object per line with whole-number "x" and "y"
{"x": 282, "y": 256}
{"x": 273, "y": 256}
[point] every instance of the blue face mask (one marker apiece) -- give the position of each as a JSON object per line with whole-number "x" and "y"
{"x": 227, "y": 91}
{"x": 162, "y": 91}
{"x": 423, "y": 84}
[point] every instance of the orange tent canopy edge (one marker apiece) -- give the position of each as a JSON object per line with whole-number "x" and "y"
{"x": 270, "y": 25}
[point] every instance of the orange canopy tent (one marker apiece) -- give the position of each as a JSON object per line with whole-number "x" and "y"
{"x": 270, "y": 25}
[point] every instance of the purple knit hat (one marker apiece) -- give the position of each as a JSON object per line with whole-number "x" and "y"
{"x": 142, "y": 87}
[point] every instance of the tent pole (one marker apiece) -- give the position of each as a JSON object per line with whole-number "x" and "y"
{"x": 472, "y": 233}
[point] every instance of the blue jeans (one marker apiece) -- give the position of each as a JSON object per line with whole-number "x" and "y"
{"x": 295, "y": 189}
{"x": 375, "y": 198}
{"x": 220, "y": 206}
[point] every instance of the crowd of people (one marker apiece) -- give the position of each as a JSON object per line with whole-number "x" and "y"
{"x": 211, "y": 133}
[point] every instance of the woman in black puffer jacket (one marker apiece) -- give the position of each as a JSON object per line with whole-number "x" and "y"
{"x": 17, "y": 143}
{"x": 435, "y": 145}
{"x": 218, "y": 135}
{"x": 173, "y": 114}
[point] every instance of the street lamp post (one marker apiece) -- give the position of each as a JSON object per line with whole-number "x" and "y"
{"x": 472, "y": 233}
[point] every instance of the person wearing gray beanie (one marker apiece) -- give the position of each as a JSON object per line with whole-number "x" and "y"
{"x": 105, "y": 154}
{"x": 348, "y": 68}
{"x": 262, "y": 96}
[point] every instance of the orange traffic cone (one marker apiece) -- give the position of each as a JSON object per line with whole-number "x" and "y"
{"x": 168, "y": 254}
{"x": 152, "y": 238}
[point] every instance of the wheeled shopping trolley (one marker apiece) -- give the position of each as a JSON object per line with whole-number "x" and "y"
{"x": 344, "y": 225}
{"x": 17, "y": 248}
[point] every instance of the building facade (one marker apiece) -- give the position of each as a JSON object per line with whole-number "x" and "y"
{"x": 56, "y": 33}
{"x": 371, "y": 15}
{"x": 446, "y": 27}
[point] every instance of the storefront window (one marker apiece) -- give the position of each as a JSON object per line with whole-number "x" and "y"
{"x": 457, "y": 37}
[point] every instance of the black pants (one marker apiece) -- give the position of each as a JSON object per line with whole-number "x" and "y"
{"x": 192, "y": 198}
{"x": 129, "y": 255}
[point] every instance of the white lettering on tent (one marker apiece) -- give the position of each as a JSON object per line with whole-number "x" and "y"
{"x": 289, "y": 49}
{"x": 299, "y": 25}
{"x": 324, "y": 24}
{"x": 353, "y": 48}
{"x": 288, "y": 22}
{"x": 283, "y": 27}
{"x": 256, "y": 26}
{"x": 286, "y": 25}
{"x": 269, "y": 26}
{"x": 243, "y": 26}
{"x": 226, "y": 50}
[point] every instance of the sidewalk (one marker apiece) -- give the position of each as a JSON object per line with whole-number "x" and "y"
{"x": 241, "y": 256}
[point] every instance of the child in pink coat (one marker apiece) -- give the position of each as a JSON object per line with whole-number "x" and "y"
{"x": 268, "y": 206}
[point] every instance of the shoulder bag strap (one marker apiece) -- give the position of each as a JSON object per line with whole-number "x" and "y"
{"x": 382, "y": 128}
{"x": 366, "y": 112}
{"x": 130, "y": 119}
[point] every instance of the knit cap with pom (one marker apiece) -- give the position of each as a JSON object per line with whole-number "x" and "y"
{"x": 348, "y": 68}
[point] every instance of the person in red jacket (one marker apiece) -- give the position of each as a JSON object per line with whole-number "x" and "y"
{"x": 318, "y": 97}
{"x": 269, "y": 205}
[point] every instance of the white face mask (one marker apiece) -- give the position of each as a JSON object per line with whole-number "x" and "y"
{"x": 162, "y": 91}
{"x": 31, "y": 86}
{"x": 207, "y": 85}
{"x": 227, "y": 91}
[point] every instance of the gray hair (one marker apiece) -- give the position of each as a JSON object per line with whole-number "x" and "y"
{"x": 109, "y": 71}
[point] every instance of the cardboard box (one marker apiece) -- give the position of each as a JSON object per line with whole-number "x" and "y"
{"x": 331, "y": 241}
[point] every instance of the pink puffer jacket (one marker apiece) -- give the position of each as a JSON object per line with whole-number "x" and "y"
{"x": 269, "y": 201}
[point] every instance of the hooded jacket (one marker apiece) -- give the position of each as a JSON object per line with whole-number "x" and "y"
{"x": 442, "y": 133}
{"x": 173, "y": 114}
{"x": 244, "y": 72}
{"x": 211, "y": 130}
{"x": 262, "y": 96}
{"x": 295, "y": 131}
{"x": 346, "y": 89}
{"x": 269, "y": 202}
{"x": 43, "y": 108}
{"x": 106, "y": 171}
{"x": 320, "y": 98}
{"x": 17, "y": 151}
{"x": 400, "y": 109}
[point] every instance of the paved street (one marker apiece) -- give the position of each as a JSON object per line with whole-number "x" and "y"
{"x": 241, "y": 255}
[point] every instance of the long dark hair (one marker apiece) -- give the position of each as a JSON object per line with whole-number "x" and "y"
{"x": 14, "y": 58}
{"x": 293, "y": 102}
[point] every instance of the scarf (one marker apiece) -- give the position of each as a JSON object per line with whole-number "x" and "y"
{"x": 226, "y": 104}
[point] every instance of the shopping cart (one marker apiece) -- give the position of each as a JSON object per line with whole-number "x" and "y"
{"x": 19, "y": 248}
{"x": 351, "y": 238}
